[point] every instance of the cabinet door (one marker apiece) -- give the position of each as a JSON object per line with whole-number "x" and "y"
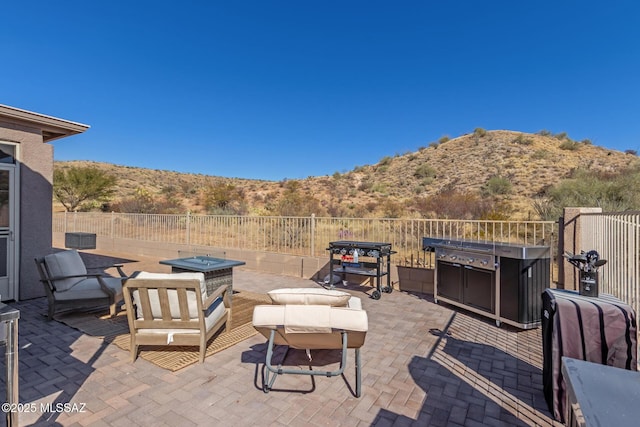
{"x": 450, "y": 280}
{"x": 479, "y": 289}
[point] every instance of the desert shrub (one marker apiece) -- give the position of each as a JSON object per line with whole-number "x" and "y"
{"x": 144, "y": 202}
{"x": 544, "y": 209}
{"x": 497, "y": 185}
{"x": 443, "y": 139}
{"x": 586, "y": 141}
{"x": 222, "y": 198}
{"x": 424, "y": 171}
{"x": 365, "y": 185}
{"x": 522, "y": 140}
{"x": 632, "y": 152}
{"x": 452, "y": 204}
{"x": 544, "y": 132}
{"x": 569, "y": 145}
{"x": 479, "y": 132}
{"x": 411, "y": 157}
{"x": 561, "y": 136}
{"x": 294, "y": 202}
{"x": 434, "y": 145}
{"x": 392, "y": 209}
{"x": 427, "y": 181}
{"x": 379, "y": 187}
{"x": 611, "y": 192}
{"x": 540, "y": 155}
{"x": 385, "y": 161}
{"x": 336, "y": 175}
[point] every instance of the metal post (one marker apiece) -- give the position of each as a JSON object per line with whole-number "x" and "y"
{"x": 9, "y": 320}
{"x": 313, "y": 235}
{"x": 188, "y": 231}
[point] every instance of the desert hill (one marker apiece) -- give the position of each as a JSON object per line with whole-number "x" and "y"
{"x": 530, "y": 163}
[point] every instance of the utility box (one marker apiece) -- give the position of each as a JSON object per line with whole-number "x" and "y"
{"x": 79, "y": 240}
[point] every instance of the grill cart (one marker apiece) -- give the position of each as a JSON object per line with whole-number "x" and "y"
{"x": 372, "y": 259}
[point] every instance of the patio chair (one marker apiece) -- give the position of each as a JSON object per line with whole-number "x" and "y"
{"x": 309, "y": 318}
{"x": 68, "y": 284}
{"x": 174, "y": 309}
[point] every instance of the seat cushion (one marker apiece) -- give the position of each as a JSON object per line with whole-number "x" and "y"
{"x": 216, "y": 312}
{"x": 66, "y": 263}
{"x": 309, "y": 296}
{"x": 172, "y": 294}
{"x": 90, "y": 288}
{"x": 274, "y": 317}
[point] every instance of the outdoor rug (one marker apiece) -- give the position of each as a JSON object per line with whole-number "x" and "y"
{"x": 173, "y": 358}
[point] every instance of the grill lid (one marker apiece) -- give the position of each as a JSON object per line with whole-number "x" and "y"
{"x": 503, "y": 249}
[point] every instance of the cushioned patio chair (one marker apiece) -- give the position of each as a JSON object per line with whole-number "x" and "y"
{"x": 68, "y": 284}
{"x": 312, "y": 319}
{"x": 174, "y": 309}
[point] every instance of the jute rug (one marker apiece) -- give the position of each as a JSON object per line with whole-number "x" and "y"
{"x": 173, "y": 358}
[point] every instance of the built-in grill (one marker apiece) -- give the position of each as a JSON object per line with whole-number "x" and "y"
{"x": 502, "y": 281}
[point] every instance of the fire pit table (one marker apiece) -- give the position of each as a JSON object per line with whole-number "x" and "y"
{"x": 217, "y": 271}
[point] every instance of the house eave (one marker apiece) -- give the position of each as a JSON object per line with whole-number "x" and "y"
{"x": 52, "y": 127}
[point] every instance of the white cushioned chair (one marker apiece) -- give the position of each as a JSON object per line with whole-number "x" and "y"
{"x": 312, "y": 319}
{"x": 69, "y": 285}
{"x": 174, "y": 309}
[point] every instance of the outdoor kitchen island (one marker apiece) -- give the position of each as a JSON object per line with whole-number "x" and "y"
{"x": 502, "y": 281}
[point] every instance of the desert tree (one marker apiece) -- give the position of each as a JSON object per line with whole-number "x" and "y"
{"x": 78, "y": 187}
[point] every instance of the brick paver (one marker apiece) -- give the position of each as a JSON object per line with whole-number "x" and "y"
{"x": 423, "y": 364}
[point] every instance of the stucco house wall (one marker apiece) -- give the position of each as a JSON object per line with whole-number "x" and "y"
{"x": 33, "y": 132}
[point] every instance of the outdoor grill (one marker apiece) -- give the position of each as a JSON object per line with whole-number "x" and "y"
{"x": 502, "y": 281}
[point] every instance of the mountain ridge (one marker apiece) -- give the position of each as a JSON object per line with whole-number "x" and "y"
{"x": 529, "y": 163}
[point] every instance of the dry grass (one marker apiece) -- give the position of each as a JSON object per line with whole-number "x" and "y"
{"x": 530, "y": 162}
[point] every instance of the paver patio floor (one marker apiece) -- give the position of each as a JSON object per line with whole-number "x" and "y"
{"x": 423, "y": 364}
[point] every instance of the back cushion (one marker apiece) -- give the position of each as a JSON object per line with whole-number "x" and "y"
{"x": 67, "y": 263}
{"x": 172, "y": 294}
{"x": 309, "y": 296}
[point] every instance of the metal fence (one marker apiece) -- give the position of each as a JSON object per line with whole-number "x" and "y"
{"x": 616, "y": 237}
{"x": 306, "y": 236}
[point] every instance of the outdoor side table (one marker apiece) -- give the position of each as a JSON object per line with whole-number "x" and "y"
{"x": 217, "y": 271}
{"x": 600, "y": 395}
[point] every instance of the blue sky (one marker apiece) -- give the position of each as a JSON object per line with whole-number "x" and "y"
{"x": 289, "y": 89}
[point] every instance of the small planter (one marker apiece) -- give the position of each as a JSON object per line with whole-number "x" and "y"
{"x": 416, "y": 279}
{"x": 80, "y": 240}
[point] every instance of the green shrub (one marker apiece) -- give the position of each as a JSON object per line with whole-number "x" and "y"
{"x": 379, "y": 188}
{"x": 613, "y": 193}
{"x": 479, "y": 132}
{"x": 497, "y": 185}
{"x": 424, "y": 171}
{"x": 569, "y": 145}
{"x": 540, "y": 155}
{"x": 385, "y": 161}
{"x": 561, "y": 136}
{"x": 452, "y": 204}
{"x": 522, "y": 140}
